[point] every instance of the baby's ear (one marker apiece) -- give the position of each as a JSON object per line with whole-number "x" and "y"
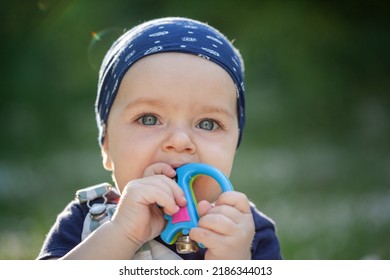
{"x": 107, "y": 163}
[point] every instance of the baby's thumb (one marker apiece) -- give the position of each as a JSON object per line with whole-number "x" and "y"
{"x": 203, "y": 207}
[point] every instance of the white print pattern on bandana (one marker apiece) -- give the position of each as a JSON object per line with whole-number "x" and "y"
{"x": 204, "y": 56}
{"x": 235, "y": 61}
{"x": 214, "y": 39}
{"x": 188, "y": 39}
{"x": 190, "y": 26}
{"x": 211, "y": 51}
{"x": 153, "y": 50}
{"x": 162, "y": 33}
{"x": 129, "y": 55}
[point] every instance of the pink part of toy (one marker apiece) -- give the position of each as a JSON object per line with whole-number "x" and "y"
{"x": 181, "y": 216}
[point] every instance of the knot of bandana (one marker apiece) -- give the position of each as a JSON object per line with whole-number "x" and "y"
{"x": 166, "y": 35}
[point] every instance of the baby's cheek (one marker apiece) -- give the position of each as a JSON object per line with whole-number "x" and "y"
{"x": 120, "y": 183}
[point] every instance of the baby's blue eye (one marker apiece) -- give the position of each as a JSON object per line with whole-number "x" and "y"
{"x": 207, "y": 124}
{"x": 148, "y": 120}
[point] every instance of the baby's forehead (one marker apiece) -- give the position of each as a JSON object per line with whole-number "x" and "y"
{"x": 187, "y": 63}
{"x": 183, "y": 74}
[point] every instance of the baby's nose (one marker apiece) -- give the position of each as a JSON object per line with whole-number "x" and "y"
{"x": 179, "y": 140}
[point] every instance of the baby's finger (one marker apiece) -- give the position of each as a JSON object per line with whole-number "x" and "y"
{"x": 171, "y": 188}
{"x": 210, "y": 239}
{"x": 157, "y": 189}
{"x": 220, "y": 224}
{"x": 203, "y": 207}
{"x": 176, "y": 191}
{"x": 161, "y": 197}
{"x": 228, "y": 211}
{"x": 160, "y": 168}
{"x": 235, "y": 199}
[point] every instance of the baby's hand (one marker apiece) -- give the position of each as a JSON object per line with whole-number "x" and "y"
{"x": 139, "y": 211}
{"x": 227, "y": 228}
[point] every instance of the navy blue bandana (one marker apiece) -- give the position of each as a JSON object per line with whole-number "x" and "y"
{"x": 166, "y": 35}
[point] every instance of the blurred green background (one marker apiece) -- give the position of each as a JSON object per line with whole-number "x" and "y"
{"x": 315, "y": 155}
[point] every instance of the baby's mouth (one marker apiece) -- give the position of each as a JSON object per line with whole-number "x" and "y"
{"x": 177, "y": 165}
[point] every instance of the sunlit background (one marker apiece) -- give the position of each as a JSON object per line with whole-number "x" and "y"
{"x": 315, "y": 156}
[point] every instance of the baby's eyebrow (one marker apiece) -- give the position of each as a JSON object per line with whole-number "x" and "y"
{"x": 216, "y": 109}
{"x": 143, "y": 101}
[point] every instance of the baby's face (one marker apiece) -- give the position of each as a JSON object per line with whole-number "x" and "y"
{"x": 173, "y": 108}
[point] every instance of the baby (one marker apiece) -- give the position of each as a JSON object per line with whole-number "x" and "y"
{"x": 170, "y": 92}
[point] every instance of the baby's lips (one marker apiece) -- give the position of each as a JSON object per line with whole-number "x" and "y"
{"x": 176, "y": 165}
